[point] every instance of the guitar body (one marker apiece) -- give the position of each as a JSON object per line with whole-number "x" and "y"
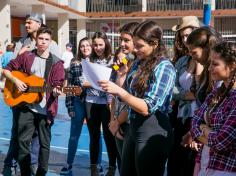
{"x": 13, "y": 97}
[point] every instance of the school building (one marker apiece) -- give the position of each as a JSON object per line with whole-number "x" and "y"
{"x": 72, "y": 20}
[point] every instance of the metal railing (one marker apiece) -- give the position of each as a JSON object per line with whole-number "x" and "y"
{"x": 225, "y": 4}
{"x": 168, "y": 39}
{"x": 113, "y": 5}
{"x": 161, "y": 5}
{"x": 153, "y": 5}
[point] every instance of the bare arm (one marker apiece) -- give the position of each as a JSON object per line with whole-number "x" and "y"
{"x": 120, "y": 80}
{"x": 19, "y": 84}
{"x": 199, "y": 69}
{"x": 86, "y": 84}
{"x": 135, "y": 103}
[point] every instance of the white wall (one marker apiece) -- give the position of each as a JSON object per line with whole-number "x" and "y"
{"x": 5, "y": 24}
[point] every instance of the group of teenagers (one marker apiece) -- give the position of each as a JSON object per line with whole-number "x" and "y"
{"x": 140, "y": 130}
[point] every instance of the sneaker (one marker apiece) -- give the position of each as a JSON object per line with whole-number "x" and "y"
{"x": 111, "y": 171}
{"x": 66, "y": 170}
{"x": 9, "y": 171}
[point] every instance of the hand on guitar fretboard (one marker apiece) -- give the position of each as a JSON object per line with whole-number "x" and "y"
{"x": 72, "y": 90}
{"x": 34, "y": 91}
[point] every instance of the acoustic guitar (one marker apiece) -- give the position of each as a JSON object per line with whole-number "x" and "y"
{"x": 35, "y": 90}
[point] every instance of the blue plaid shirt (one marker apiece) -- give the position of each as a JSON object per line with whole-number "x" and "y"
{"x": 160, "y": 86}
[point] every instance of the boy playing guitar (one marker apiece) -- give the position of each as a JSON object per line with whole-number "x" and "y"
{"x": 41, "y": 63}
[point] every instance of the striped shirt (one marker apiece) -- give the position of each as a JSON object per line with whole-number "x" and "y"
{"x": 160, "y": 86}
{"x": 222, "y": 140}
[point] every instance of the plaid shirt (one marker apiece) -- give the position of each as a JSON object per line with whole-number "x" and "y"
{"x": 160, "y": 86}
{"x": 222, "y": 140}
{"x": 75, "y": 78}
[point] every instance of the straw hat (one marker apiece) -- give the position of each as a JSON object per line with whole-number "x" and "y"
{"x": 187, "y": 21}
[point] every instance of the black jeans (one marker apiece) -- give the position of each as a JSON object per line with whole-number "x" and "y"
{"x": 98, "y": 114}
{"x": 28, "y": 121}
{"x": 182, "y": 159}
{"x": 146, "y": 150}
{"x": 119, "y": 143}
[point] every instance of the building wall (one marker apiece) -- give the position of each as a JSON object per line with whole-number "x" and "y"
{"x": 54, "y": 26}
{"x": 18, "y": 28}
{"x": 225, "y": 25}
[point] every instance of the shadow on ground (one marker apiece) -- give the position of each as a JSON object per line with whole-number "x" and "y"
{"x": 57, "y": 161}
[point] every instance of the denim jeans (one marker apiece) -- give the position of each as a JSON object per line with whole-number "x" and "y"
{"x": 75, "y": 131}
{"x": 34, "y": 148}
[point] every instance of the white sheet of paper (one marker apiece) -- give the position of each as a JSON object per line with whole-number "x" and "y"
{"x": 95, "y": 72}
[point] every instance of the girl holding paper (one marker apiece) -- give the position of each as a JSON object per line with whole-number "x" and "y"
{"x": 150, "y": 83}
{"x": 97, "y": 108}
{"x": 75, "y": 104}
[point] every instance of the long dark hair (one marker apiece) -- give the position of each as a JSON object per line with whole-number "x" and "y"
{"x": 129, "y": 28}
{"x": 152, "y": 34}
{"x": 204, "y": 37}
{"x": 227, "y": 51}
{"x": 107, "y": 51}
{"x": 179, "y": 48}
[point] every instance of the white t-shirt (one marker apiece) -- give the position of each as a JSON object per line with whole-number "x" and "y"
{"x": 66, "y": 57}
{"x": 185, "y": 81}
{"x": 38, "y": 69}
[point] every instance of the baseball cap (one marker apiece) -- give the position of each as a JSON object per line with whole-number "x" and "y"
{"x": 36, "y": 17}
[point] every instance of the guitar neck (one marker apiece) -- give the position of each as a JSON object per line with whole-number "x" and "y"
{"x": 67, "y": 90}
{"x": 39, "y": 89}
